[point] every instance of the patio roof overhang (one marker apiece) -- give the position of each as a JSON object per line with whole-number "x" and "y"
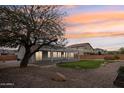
{"x": 58, "y": 49}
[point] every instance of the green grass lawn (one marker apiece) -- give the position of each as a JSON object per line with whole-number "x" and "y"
{"x": 83, "y": 64}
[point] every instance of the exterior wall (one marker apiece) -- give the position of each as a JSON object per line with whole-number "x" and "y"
{"x": 55, "y": 57}
{"x": 83, "y": 51}
{"x": 49, "y": 55}
{"x": 83, "y": 48}
{"x": 44, "y": 55}
{"x": 20, "y": 53}
{"x": 86, "y": 49}
{"x": 32, "y": 59}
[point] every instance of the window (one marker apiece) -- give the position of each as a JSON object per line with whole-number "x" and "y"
{"x": 38, "y": 56}
{"x": 54, "y": 54}
{"x": 48, "y": 54}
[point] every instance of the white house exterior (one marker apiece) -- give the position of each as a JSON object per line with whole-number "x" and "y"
{"x": 83, "y": 48}
{"x": 58, "y": 54}
{"x": 21, "y": 52}
{"x": 50, "y": 54}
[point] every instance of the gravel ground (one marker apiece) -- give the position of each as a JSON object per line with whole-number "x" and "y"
{"x": 7, "y": 64}
{"x": 40, "y": 76}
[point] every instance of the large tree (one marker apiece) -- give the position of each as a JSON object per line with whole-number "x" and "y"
{"x": 31, "y": 27}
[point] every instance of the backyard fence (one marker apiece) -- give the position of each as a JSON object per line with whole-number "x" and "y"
{"x": 8, "y": 57}
{"x": 121, "y": 56}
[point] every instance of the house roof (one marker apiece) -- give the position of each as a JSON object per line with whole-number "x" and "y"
{"x": 80, "y": 45}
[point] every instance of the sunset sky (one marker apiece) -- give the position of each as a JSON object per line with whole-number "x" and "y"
{"x": 101, "y": 26}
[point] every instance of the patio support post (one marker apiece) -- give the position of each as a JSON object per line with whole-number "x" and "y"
{"x": 45, "y": 55}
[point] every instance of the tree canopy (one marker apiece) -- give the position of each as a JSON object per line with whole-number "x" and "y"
{"x": 121, "y": 50}
{"x": 31, "y": 26}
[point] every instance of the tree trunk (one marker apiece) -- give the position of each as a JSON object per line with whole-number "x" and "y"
{"x": 26, "y": 58}
{"x": 24, "y": 62}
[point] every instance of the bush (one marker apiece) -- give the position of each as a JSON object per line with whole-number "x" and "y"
{"x": 115, "y": 57}
{"x": 121, "y": 69}
{"x": 108, "y": 58}
{"x": 119, "y": 81}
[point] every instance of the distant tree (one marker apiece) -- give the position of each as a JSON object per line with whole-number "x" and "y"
{"x": 99, "y": 53}
{"x": 121, "y": 50}
{"x": 32, "y": 27}
{"x": 113, "y": 52}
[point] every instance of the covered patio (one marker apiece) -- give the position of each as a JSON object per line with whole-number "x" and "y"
{"x": 55, "y": 55}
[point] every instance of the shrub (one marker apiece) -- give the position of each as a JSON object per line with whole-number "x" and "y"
{"x": 121, "y": 69}
{"x": 109, "y": 58}
{"x": 119, "y": 81}
{"x": 115, "y": 57}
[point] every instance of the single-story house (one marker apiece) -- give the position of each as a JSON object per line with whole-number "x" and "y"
{"x": 56, "y": 54}
{"x": 51, "y": 54}
{"x": 59, "y": 54}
